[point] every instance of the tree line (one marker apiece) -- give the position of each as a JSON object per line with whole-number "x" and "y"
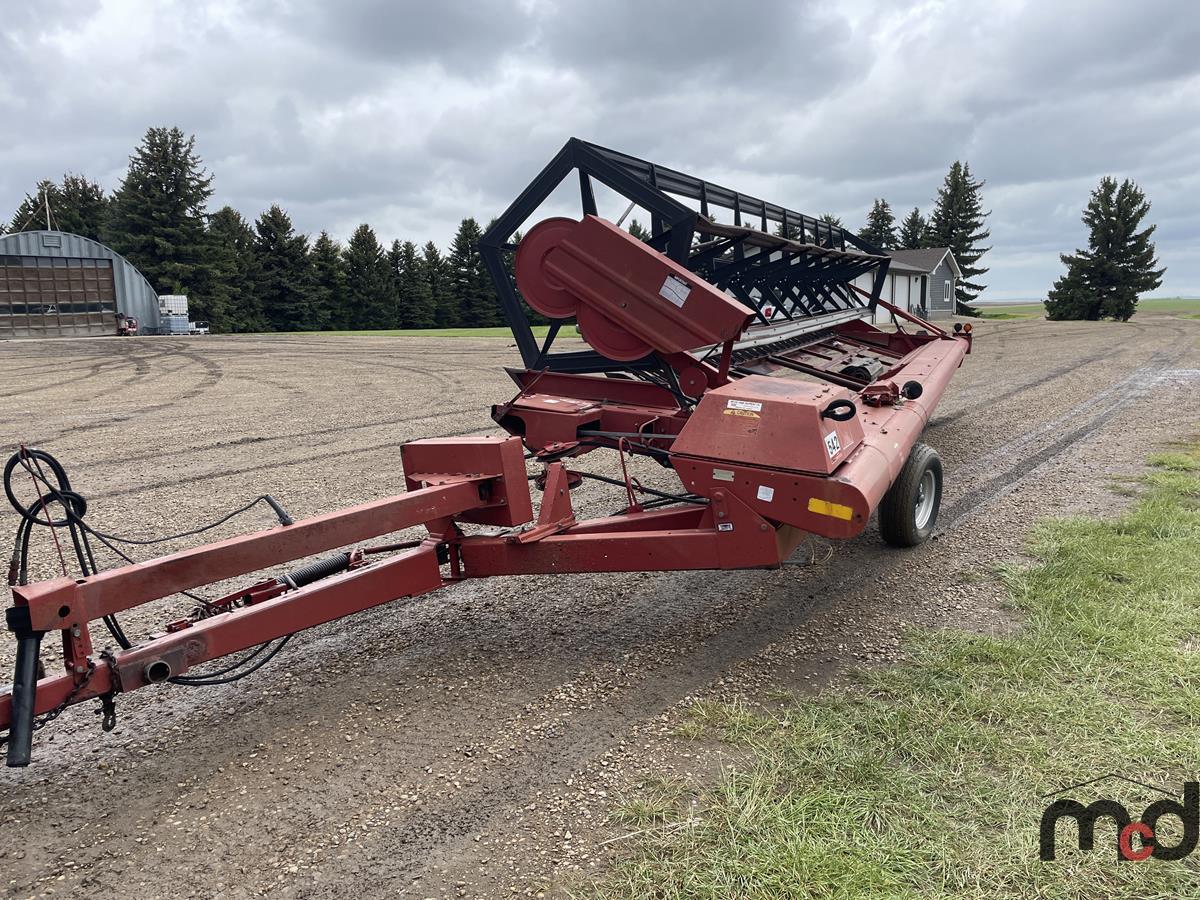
{"x": 956, "y": 221}
{"x": 245, "y": 276}
{"x": 264, "y": 276}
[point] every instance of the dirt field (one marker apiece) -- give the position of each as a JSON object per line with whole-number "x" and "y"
{"x": 476, "y": 742}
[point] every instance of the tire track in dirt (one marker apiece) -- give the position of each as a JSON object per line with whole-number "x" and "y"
{"x": 92, "y": 372}
{"x": 989, "y": 399}
{"x": 213, "y": 373}
{"x": 1073, "y": 426}
{"x": 969, "y": 406}
{"x": 226, "y": 472}
{"x": 291, "y": 438}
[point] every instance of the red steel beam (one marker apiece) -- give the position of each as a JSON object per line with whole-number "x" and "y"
{"x": 409, "y": 575}
{"x": 63, "y": 602}
{"x": 726, "y": 534}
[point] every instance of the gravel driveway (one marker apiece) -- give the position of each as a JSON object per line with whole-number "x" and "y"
{"x": 474, "y": 742}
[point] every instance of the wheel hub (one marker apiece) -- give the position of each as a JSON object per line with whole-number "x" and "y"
{"x": 926, "y": 494}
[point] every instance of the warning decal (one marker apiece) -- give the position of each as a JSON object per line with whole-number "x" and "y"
{"x": 748, "y": 405}
{"x": 676, "y": 290}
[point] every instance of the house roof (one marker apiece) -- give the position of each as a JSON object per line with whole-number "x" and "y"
{"x": 924, "y": 260}
{"x": 901, "y": 268}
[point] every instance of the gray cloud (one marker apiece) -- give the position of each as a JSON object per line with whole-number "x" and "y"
{"x": 412, "y": 115}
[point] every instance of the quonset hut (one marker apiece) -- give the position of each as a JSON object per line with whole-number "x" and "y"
{"x": 54, "y": 284}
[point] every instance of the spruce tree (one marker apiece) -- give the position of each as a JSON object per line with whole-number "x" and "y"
{"x": 395, "y": 262}
{"x": 469, "y": 282}
{"x": 795, "y": 233}
{"x": 31, "y": 214}
{"x": 77, "y": 206}
{"x": 821, "y": 235}
{"x": 912, "y": 231}
{"x": 447, "y": 313}
{"x": 957, "y": 222}
{"x": 880, "y": 229}
{"x": 370, "y": 288}
{"x": 282, "y": 274}
{"x": 234, "y": 304}
{"x": 329, "y": 307}
{"x": 791, "y": 233}
{"x": 638, "y": 230}
{"x": 1104, "y": 280}
{"x": 416, "y": 296}
{"x": 157, "y": 216}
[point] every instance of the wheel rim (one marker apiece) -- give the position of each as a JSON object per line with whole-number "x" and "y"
{"x": 926, "y": 497}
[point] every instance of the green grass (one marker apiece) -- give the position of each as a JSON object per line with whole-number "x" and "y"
{"x": 925, "y": 780}
{"x": 1180, "y": 305}
{"x": 498, "y": 331}
{"x": 657, "y": 801}
{"x": 1015, "y": 312}
{"x": 1176, "y": 462}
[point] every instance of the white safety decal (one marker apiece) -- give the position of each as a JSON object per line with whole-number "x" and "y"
{"x": 748, "y": 405}
{"x": 766, "y": 494}
{"x": 724, "y": 526}
{"x": 676, "y": 290}
{"x": 832, "y": 444}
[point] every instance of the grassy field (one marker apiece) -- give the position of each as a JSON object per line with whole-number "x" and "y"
{"x": 1179, "y": 305}
{"x": 927, "y": 779}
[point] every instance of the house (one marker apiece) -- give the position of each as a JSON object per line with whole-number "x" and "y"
{"x": 919, "y": 281}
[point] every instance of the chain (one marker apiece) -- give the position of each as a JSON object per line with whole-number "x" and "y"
{"x": 49, "y": 717}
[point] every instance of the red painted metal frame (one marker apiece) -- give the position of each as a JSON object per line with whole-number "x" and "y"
{"x": 63, "y": 602}
{"x": 407, "y": 575}
{"x": 763, "y": 456}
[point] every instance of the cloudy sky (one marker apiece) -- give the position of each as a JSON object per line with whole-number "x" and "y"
{"x": 411, "y": 115}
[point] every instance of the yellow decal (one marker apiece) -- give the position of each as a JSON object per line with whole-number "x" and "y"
{"x": 744, "y": 413}
{"x": 825, "y": 508}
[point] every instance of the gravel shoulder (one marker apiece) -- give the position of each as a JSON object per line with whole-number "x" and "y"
{"x": 476, "y": 742}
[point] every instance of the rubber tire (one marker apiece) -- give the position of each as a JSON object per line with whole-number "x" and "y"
{"x": 897, "y": 511}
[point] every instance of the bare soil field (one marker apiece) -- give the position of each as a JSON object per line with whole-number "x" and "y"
{"x": 477, "y": 742}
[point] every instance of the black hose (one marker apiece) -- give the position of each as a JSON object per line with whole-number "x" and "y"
{"x": 205, "y": 678}
{"x": 680, "y": 498}
{"x": 74, "y": 507}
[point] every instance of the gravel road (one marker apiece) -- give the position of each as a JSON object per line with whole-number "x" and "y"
{"x": 474, "y": 743}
